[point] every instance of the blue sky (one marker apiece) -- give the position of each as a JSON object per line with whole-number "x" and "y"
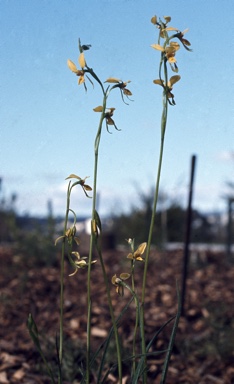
{"x": 47, "y": 126}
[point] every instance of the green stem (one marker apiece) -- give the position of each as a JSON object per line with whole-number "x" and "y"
{"x": 136, "y": 319}
{"x": 92, "y": 240}
{"x": 163, "y": 130}
{"x": 62, "y": 282}
{"x": 96, "y": 148}
{"x": 96, "y": 152}
{"x": 115, "y": 328}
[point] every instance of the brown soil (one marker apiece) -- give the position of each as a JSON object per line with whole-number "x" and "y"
{"x": 204, "y": 348}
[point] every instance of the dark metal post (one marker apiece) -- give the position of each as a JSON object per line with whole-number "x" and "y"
{"x": 229, "y": 229}
{"x": 187, "y": 234}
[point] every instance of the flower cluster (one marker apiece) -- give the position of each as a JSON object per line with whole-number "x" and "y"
{"x": 83, "y": 65}
{"x": 69, "y": 235}
{"x": 137, "y": 255}
{"x": 168, "y": 52}
{"x": 119, "y": 282}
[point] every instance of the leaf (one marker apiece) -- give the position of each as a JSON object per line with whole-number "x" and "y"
{"x": 94, "y": 227}
{"x": 98, "y": 220}
{"x": 31, "y": 325}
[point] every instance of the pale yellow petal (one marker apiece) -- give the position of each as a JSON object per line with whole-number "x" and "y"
{"x": 98, "y": 109}
{"x": 171, "y": 29}
{"x": 158, "y": 47}
{"x": 141, "y": 249}
{"x": 113, "y": 279}
{"x": 158, "y": 81}
{"x": 72, "y": 274}
{"x": 154, "y": 20}
{"x": 185, "y": 31}
{"x": 71, "y": 66}
{"x": 174, "y": 80}
{"x": 172, "y": 60}
{"x": 175, "y": 45}
{"x": 81, "y": 80}
{"x": 81, "y": 60}
{"x": 124, "y": 276}
{"x": 73, "y": 176}
{"x": 139, "y": 258}
{"x": 112, "y": 80}
{"x": 167, "y": 18}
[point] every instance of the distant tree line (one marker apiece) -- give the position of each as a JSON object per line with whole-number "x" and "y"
{"x": 34, "y": 237}
{"x": 169, "y": 225}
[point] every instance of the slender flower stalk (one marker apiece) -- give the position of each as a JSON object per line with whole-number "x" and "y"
{"x": 69, "y": 238}
{"x": 107, "y": 117}
{"x": 135, "y": 256}
{"x": 62, "y": 280}
{"x": 96, "y": 152}
{"x": 168, "y": 52}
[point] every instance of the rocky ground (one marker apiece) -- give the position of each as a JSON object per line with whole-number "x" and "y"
{"x": 204, "y": 346}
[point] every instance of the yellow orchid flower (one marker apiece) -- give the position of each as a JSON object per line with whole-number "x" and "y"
{"x": 168, "y": 88}
{"x": 81, "y": 181}
{"x": 169, "y": 52}
{"x": 121, "y": 85}
{"x": 108, "y": 116}
{"x": 118, "y": 282}
{"x": 80, "y": 263}
{"x": 69, "y": 235}
{"x": 138, "y": 253}
{"x": 79, "y": 72}
{"x": 185, "y": 42}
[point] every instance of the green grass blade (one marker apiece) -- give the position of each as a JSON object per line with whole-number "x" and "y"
{"x": 32, "y": 327}
{"x": 172, "y": 339}
{"x": 140, "y": 366}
